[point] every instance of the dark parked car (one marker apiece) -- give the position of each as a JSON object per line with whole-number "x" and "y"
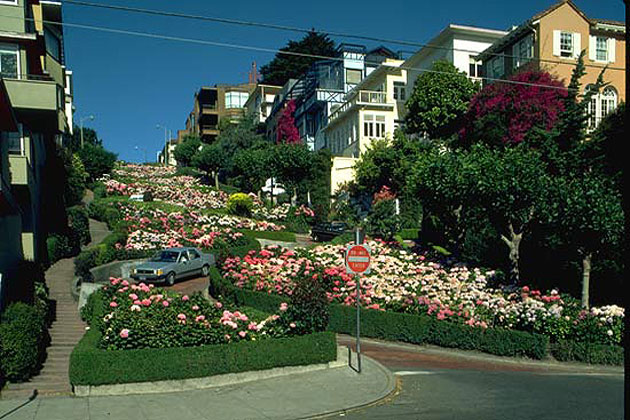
{"x": 322, "y": 232}
{"x": 174, "y": 263}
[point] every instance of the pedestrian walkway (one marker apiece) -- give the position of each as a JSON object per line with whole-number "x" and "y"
{"x": 65, "y": 332}
{"x": 295, "y": 396}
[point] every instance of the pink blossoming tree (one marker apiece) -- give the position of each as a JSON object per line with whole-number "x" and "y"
{"x": 287, "y": 131}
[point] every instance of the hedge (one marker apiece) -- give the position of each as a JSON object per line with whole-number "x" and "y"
{"x": 410, "y": 234}
{"x": 23, "y": 340}
{"x": 282, "y": 236}
{"x": 79, "y": 222}
{"x": 427, "y": 330}
{"x": 567, "y": 351}
{"x": 90, "y": 365}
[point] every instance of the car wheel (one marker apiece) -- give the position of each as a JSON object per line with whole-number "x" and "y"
{"x": 170, "y": 278}
{"x": 205, "y": 270}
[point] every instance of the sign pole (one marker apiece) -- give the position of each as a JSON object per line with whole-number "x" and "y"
{"x": 358, "y": 286}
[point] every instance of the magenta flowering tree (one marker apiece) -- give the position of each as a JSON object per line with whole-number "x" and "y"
{"x": 508, "y": 113}
{"x": 287, "y": 131}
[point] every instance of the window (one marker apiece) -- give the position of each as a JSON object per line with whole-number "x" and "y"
{"x": 193, "y": 254}
{"x": 399, "y": 91}
{"x": 12, "y": 2}
{"x": 600, "y": 106}
{"x": 353, "y": 76}
{"x": 235, "y": 99}
{"x": 496, "y": 67}
{"x": 566, "y": 44}
{"x": 53, "y": 44}
{"x": 474, "y": 68}
{"x": 523, "y": 51}
{"x": 374, "y": 126}
{"x": 601, "y": 48}
{"x": 15, "y": 141}
{"x": 9, "y": 61}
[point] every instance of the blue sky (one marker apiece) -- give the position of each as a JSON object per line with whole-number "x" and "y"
{"x": 131, "y": 84}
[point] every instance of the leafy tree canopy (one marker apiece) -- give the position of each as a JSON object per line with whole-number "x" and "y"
{"x": 97, "y": 160}
{"x": 186, "y": 151}
{"x": 439, "y": 101}
{"x": 89, "y": 137}
{"x": 284, "y": 67}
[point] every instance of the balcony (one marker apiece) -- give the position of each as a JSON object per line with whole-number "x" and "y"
{"x": 212, "y": 108}
{"x": 21, "y": 171}
{"x": 210, "y": 129}
{"x": 32, "y": 94}
{"x": 364, "y": 99}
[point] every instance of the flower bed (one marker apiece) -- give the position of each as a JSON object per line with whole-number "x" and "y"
{"x": 141, "y": 333}
{"x": 404, "y": 283}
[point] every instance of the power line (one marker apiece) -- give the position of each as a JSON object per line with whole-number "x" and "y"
{"x": 303, "y": 30}
{"x": 263, "y": 49}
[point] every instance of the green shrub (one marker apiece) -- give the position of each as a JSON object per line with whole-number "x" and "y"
{"x": 90, "y": 365}
{"x": 240, "y": 204}
{"x": 566, "y": 351}
{"x": 343, "y": 239}
{"x": 186, "y": 171}
{"x": 382, "y": 221}
{"x": 62, "y": 245}
{"x": 297, "y": 223}
{"x": 147, "y": 197}
{"x": 79, "y": 222}
{"x": 283, "y": 236}
{"x": 309, "y": 306}
{"x": 99, "y": 191}
{"x": 410, "y": 234}
{"x": 23, "y": 339}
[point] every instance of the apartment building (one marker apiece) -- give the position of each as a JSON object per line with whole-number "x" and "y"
{"x": 552, "y": 40}
{"x": 36, "y": 104}
{"x": 323, "y": 88}
{"x": 260, "y": 102}
{"x": 214, "y": 104}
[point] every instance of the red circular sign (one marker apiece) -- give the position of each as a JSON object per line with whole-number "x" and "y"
{"x": 357, "y": 258}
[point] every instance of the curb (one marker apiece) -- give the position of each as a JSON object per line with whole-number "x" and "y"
{"x": 206, "y": 382}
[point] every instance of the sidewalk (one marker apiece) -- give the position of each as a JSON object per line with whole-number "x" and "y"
{"x": 289, "y": 397}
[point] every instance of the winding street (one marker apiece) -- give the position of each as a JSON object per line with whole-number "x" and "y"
{"x": 443, "y": 384}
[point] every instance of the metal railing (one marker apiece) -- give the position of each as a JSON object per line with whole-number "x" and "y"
{"x": 361, "y": 97}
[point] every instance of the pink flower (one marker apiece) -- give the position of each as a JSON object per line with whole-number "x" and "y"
{"x": 252, "y": 326}
{"x": 181, "y": 317}
{"x": 292, "y": 325}
{"x": 242, "y": 334}
{"x": 200, "y": 318}
{"x": 133, "y": 296}
{"x": 165, "y": 303}
{"x": 218, "y": 305}
{"x": 124, "y": 333}
{"x": 125, "y": 283}
{"x": 227, "y": 337}
{"x": 284, "y": 306}
{"x": 195, "y": 308}
{"x": 113, "y": 304}
{"x": 185, "y": 298}
{"x": 146, "y": 302}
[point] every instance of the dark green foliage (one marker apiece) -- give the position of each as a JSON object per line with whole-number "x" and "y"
{"x": 284, "y": 67}
{"x": 570, "y": 351}
{"x": 439, "y": 101}
{"x": 603, "y": 152}
{"x": 283, "y": 236}
{"x": 185, "y": 152}
{"x": 89, "y": 137}
{"x": 99, "y": 191}
{"x": 298, "y": 224}
{"x": 318, "y": 183}
{"x": 79, "y": 222}
{"x": 382, "y": 221}
{"x": 23, "y": 339}
{"x": 410, "y": 234}
{"x": 309, "y": 306}
{"x": 97, "y": 161}
{"x": 210, "y": 159}
{"x": 186, "y": 171}
{"x": 62, "y": 245}
{"x": 76, "y": 178}
{"x": 251, "y": 168}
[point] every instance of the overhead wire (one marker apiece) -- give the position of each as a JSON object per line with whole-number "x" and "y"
{"x": 265, "y": 50}
{"x": 266, "y": 25}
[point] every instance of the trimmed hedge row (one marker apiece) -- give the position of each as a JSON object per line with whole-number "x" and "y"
{"x": 283, "y": 236}
{"x": 427, "y": 330}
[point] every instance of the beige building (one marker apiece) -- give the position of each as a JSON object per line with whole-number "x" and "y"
{"x": 35, "y": 106}
{"x": 553, "y": 39}
{"x": 260, "y": 101}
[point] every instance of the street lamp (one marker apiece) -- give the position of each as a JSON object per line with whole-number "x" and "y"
{"x": 89, "y": 117}
{"x": 166, "y": 131}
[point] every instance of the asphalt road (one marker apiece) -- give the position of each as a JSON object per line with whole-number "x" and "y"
{"x": 443, "y": 385}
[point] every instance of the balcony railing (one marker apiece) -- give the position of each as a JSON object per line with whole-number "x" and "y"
{"x": 209, "y": 107}
{"x": 209, "y": 127}
{"x": 362, "y": 97}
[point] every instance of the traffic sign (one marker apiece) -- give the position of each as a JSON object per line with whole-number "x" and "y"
{"x": 358, "y": 259}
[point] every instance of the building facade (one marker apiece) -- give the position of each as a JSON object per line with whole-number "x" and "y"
{"x": 553, "y": 40}
{"x": 260, "y": 102}
{"x": 36, "y": 117}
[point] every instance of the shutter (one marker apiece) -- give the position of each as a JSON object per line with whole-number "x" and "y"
{"x": 556, "y": 43}
{"x": 592, "y": 47}
{"x": 611, "y": 50}
{"x": 577, "y": 44}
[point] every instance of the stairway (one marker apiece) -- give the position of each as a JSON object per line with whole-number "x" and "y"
{"x": 66, "y": 330}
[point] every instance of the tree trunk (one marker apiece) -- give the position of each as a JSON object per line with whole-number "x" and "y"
{"x": 514, "y": 244}
{"x": 586, "y": 278}
{"x": 294, "y": 197}
{"x": 459, "y": 232}
{"x": 216, "y": 179}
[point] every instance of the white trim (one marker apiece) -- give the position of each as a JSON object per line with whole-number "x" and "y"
{"x": 9, "y": 2}
{"x": 577, "y": 44}
{"x": 611, "y": 49}
{"x": 592, "y": 47}
{"x": 556, "y": 43}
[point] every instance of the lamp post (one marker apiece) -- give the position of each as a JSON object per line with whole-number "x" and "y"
{"x": 89, "y": 117}
{"x": 165, "y": 142}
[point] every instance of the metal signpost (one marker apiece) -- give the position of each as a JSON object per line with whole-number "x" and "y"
{"x": 357, "y": 263}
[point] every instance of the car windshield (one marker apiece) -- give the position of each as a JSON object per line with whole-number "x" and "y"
{"x": 166, "y": 256}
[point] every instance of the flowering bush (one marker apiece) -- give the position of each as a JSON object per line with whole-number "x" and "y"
{"x": 409, "y": 283}
{"x": 143, "y": 316}
{"x": 240, "y": 204}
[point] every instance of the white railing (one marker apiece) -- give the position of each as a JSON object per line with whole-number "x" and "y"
{"x": 362, "y": 97}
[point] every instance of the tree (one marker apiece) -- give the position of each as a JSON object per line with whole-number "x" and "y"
{"x": 76, "y": 177}
{"x": 252, "y": 168}
{"x": 287, "y": 131}
{"x": 210, "y": 159}
{"x": 89, "y": 137}
{"x": 291, "y": 165}
{"x": 287, "y": 66}
{"x": 236, "y": 137}
{"x": 186, "y": 150}
{"x": 588, "y": 212}
{"x": 439, "y": 101}
{"x": 97, "y": 160}
{"x": 510, "y": 186}
{"x": 505, "y": 113}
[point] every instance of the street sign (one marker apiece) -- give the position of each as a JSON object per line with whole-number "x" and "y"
{"x": 358, "y": 259}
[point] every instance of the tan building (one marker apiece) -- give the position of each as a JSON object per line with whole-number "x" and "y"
{"x": 553, "y": 39}
{"x": 213, "y": 105}
{"x": 260, "y": 101}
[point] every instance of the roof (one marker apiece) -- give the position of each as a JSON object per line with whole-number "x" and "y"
{"x": 608, "y": 22}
